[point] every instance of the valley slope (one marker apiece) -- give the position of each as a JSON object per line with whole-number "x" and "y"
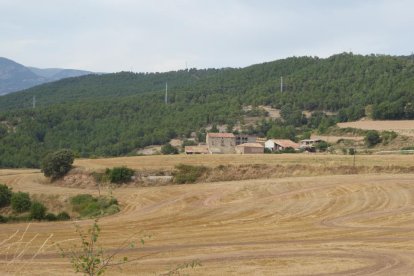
{"x": 116, "y": 114}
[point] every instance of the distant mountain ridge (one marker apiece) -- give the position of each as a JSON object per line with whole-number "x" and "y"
{"x": 15, "y": 77}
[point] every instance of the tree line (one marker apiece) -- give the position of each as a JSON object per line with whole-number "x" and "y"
{"x": 114, "y": 114}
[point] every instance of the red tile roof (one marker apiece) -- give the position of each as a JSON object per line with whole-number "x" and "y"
{"x": 220, "y": 135}
{"x": 286, "y": 143}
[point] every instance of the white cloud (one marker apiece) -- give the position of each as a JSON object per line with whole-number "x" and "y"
{"x": 113, "y": 35}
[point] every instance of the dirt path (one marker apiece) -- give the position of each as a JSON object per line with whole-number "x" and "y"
{"x": 343, "y": 225}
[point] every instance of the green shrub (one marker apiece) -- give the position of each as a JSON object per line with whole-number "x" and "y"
{"x": 119, "y": 174}
{"x": 81, "y": 199}
{"x": 322, "y": 146}
{"x": 37, "y": 211}
{"x": 89, "y": 206}
{"x": 372, "y": 138}
{"x": 187, "y": 173}
{"x": 388, "y": 136}
{"x": 63, "y": 216}
{"x": 20, "y": 202}
{"x": 267, "y": 150}
{"x": 408, "y": 148}
{"x": 3, "y": 219}
{"x": 57, "y": 164}
{"x": 50, "y": 217}
{"x": 93, "y": 209}
{"x": 113, "y": 209}
{"x": 189, "y": 143}
{"x": 169, "y": 149}
{"x": 5, "y": 195}
{"x": 286, "y": 150}
{"x": 352, "y": 151}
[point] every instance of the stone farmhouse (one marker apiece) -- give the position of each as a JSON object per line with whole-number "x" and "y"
{"x": 250, "y": 148}
{"x": 221, "y": 143}
{"x": 229, "y": 143}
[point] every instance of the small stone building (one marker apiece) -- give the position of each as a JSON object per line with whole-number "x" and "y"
{"x": 250, "y": 148}
{"x": 281, "y": 144}
{"x": 221, "y": 143}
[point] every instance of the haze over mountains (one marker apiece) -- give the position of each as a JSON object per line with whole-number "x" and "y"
{"x": 15, "y": 76}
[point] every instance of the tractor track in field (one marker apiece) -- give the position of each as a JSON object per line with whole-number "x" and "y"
{"x": 342, "y": 225}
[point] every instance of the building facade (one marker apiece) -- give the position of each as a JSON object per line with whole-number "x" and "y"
{"x": 220, "y": 143}
{"x": 250, "y": 148}
{"x": 243, "y": 138}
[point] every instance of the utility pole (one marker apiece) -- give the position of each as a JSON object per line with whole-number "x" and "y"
{"x": 281, "y": 84}
{"x": 34, "y": 102}
{"x": 166, "y": 93}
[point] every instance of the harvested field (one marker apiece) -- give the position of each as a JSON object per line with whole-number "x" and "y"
{"x": 403, "y": 127}
{"x": 314, "y": 225}
{"x": 169, "y": 161}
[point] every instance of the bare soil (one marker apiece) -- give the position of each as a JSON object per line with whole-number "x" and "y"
{"x": 304, "y": 225}
{"x": 403, "y": 127}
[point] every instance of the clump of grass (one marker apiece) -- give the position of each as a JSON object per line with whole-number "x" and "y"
{"x": 88, "y": 206}
{"x": 187, "y": 173}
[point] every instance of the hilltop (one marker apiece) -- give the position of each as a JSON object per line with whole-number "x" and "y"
{"x": 15, "y": 76}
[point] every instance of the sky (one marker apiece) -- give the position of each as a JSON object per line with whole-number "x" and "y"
{"x": 166, "y": 35}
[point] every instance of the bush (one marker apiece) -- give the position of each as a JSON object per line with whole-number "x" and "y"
{"x": 51, "y": 217}
{"x": 286, "y": 150}
{"x": 322, "y": 146}
{"x": 93, "y": 209}
{"x": 189, "y": 143}
{"x": 352, "y": 151}
{"x": 20, "y": 202}
{"x": 113, "y": 209}
{"x": 3, "y": 219}
{"x": 89, "y": 206}
{"x": 37, "y": 211}
{"x": 5, "y": 195}
{"x": 187, "y": 173}
{"x": 57, "y": 164}
{"x": 119, "y": 174}
{"x": 169, "y": 149}
{"x": 372, "y": 138}
{"x": 63, "y": 216}
{"x": 388, "y": 136}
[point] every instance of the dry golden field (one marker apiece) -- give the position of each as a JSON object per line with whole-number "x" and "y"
{"x": 404, "y": 127}
{"x": 316, "y": 225}
{"x": 169, "y": 161}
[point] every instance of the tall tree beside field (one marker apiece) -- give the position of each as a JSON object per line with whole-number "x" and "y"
{"x": 57, "y": 164}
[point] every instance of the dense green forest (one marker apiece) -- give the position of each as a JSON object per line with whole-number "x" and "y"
{"x": 114, "y": 114}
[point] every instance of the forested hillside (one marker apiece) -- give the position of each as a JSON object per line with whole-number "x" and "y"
{"x": 114, "y": 114}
